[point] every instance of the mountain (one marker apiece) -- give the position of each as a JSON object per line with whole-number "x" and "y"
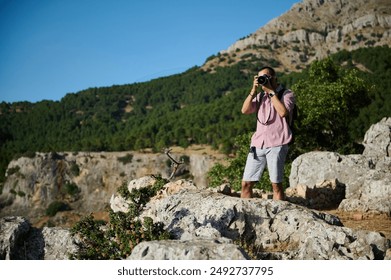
{"x": 312, "y": 30}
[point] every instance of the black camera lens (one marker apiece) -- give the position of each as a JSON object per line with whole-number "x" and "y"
{"x": 263, "y": 80}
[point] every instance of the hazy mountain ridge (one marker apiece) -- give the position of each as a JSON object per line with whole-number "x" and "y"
{"x": 311, "y": 30}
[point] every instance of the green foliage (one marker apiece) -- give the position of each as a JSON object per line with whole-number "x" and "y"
{"x": 94, "y": 242}
{"x": 56, "y": 206}
{"x": 21, "y": 193}
{"x": 13, "y": 170}
{"x": 75, "y": 170}
{"x": 232, "y": 173}
{"x": 117, "y": 238}
{"x": 71, "y": 189}
{"x": 329, "y": 100}
{"x": 126, "y": 159}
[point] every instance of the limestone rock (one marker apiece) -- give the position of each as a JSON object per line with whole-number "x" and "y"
{"x": 367, "y": 177}
{"x": 377, "y": 139}
{"x": 20, "y": 241}
{"x": 11, "y": 230}
{"x": 280, "y": 230}
{"x": 324, "y": 195}
{"x": 120, "y": 204}
{"x": 187, "y": 250}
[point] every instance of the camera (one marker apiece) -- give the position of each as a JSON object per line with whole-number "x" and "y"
{"x": 263, "y": 80}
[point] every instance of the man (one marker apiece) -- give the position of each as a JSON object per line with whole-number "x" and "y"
{"x": 269, "y": 144}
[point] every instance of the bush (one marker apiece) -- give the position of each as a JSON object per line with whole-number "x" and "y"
{"x": 117, "y": 238}
{"x": 75, "y": 170}
{"x": 56, "y": 206}
{"x": 126, "y": 159}
{"x": 13, "y": 170}
{"x": 71, "y": 189}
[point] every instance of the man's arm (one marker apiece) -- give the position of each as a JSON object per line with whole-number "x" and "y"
{"x": 279, "y": 106}
{"x": 248, "y": 106}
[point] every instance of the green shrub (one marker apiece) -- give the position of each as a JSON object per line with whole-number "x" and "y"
{"x": 56, "y": 206}
{"x": 117, "y": 238}
{"x": 21, "y": 194}
{"x": 75, "y": 169}
{"x": 71, "y": 189}
{"x": 126, "y": 159}
{"x": 29, "y": 154}
{"x": 13, "y": 170}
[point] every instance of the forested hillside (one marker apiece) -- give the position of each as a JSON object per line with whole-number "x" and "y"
{"x": 194, "y": 107}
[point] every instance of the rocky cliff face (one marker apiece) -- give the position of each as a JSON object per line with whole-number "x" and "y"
{"x": 311, "y": 30}
{"x": 85, "y": 181}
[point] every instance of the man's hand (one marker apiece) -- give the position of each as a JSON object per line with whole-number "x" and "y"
{"x": 255, "y": 83}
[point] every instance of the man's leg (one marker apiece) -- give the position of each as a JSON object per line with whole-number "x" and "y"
{"x": 275, "y": 162}
{"x": 278, "y": 191}
{"x": 247, "y": 189}
{"x": 255, "y": 164}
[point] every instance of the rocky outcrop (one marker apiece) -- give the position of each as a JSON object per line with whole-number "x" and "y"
{"x": 20, "y": 241}
{"x": 276, "y": 229}
{"x": 206, "y": 224}
{"x": 86, "y": 181}
{"x": 366, "y": 177}
{"x": 312, "y": 30}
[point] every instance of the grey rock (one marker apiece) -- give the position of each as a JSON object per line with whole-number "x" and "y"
{"x": 187, "y": 250}
{"x": 278, "y": 229}
{"x": 377, "y": 139}
{"x": 367, "y": 177}
{"x": 324, "y": 195}
{"x": 59, "y": 244}
{"x": 20, "y": 241}
{"x": 12, "y": 230}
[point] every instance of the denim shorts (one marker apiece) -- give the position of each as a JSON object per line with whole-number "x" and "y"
{"x": 257, "y": 160}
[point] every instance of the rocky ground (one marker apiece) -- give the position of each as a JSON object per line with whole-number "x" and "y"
{"x": 372, "y": 222}
{"x": 355, "y": 220}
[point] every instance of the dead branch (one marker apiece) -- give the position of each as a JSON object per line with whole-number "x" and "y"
{"x": 174, "y": 163}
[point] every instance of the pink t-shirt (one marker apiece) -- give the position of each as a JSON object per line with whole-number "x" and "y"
{"x": 272, "y": 130}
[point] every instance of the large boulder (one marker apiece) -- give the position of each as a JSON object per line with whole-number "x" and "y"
{"x": 367, "y": 177}
{"x": 377, "y": 139}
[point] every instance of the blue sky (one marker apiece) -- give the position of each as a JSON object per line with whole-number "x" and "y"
{"x": 49, "y": 48}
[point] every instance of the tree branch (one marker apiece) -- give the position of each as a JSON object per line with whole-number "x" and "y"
{"x": 174, "y": 163}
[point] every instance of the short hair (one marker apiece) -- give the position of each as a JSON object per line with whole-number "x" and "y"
{"x": 270, "y": 69}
